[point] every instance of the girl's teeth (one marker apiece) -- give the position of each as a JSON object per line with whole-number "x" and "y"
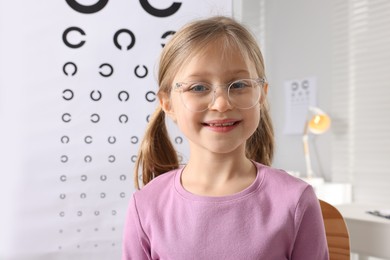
{"x": 224, "y": 124}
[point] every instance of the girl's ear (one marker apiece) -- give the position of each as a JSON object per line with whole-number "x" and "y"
{"x": 166, "y": 105}
{"x": 264, "y": 93}
{"x": 265, "y": 88}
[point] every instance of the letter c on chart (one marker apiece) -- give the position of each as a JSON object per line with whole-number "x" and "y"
{"x": 65, "y": 37}
{"x": 67, "y": 94}
{"x": 66, "y": 117}
{"x": 130, "y": 33}
{"x": 295, "y": 86}
{"x": 179, "y": 140}
{"x": 64, "y": 68}
{"x": 123, "y": 119}
{"x": 165, "y": 35}
{"x": 160, "y": 12}
{"x": 95, "y": 118}
{"x": 134, "y": 139}
{"x": 94, "y": 97}
{"x": 138, "y": 75}
{"x": 88, "y": 139}
{"x": 88, "y": 159}
{"x": 64, "y": 158}
{"x": 305, "y": 84}
{"x": 150, "y": 96}
{"x": 111, "y": 139}
{"x": 123, "y": 93}
{"x": 65, "y": 139}
{"x": 87, "y": 9}
{"x": 106, "y": 74}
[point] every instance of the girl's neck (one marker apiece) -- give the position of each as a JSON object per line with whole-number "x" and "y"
{"x": 218, "y": 175}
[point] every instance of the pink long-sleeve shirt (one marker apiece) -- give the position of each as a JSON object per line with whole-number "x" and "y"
{"x": 277, "y": 217}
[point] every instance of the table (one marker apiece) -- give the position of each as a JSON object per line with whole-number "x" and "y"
{"x": 332, "y": 192}
{"x": 369, "y": 235}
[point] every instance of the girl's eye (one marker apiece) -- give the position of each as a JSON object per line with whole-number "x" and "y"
{"x": 198, "y": 88}
{"x": 239, "y": 85}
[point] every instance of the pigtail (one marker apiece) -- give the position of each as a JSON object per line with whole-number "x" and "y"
{"x": 157, "y": 154}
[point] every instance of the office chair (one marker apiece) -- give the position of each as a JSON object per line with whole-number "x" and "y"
{"x": 336, "y": 232}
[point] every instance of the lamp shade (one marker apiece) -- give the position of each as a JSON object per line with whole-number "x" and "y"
{"x": 319, "y": 121}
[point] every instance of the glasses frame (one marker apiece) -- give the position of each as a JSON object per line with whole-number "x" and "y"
{"x": 178, "y": 88}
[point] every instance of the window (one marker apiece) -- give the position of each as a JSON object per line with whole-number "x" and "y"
{"x": 361, "y": 98}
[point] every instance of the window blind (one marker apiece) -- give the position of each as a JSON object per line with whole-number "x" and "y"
{"x": 361, "y": 98}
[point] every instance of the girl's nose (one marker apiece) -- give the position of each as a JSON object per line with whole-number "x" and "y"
{"x": 220, "y": 100}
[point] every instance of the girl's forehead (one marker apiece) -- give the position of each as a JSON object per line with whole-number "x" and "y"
{"x": 214, "y": 59}
{"x": 224, "y": 47}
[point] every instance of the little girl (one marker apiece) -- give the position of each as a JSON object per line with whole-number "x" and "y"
{"x": 227, "y": 202}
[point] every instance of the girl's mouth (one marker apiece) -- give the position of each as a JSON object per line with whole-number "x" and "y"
{"x": 221, "y": 124}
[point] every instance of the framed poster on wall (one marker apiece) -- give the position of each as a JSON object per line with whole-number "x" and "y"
{"x": 78, "y": 84}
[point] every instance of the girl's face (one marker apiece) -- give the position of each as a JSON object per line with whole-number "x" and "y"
{"x": 222, "y": 128}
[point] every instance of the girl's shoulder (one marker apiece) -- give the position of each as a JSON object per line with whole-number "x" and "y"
{"x": 278, "y": 174}
{"x": 280, "y": 182}
{"x": 160, "y": 185}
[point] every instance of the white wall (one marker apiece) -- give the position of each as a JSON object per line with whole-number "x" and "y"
{"x": 296, "y": 39}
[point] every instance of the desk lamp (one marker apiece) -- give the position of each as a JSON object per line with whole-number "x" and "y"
{"x": 318, "y": 122}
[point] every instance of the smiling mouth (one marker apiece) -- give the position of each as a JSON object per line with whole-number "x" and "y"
{"x": 224, "y": 124}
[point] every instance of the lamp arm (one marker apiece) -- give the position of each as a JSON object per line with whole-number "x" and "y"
{"x": 309, "y": 170}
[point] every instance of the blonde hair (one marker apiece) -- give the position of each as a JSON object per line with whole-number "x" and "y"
{"x": 157, "y": 154}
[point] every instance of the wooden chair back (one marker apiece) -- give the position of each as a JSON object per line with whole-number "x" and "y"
{"x": 336, "y": 232}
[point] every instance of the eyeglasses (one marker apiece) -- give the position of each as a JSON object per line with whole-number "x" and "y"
{"x": 199, "y": 96}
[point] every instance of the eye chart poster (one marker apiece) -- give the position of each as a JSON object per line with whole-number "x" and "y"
{"x": 77, "y": 86}
{"x": 300, "y": 94}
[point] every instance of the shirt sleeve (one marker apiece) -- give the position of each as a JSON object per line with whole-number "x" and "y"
{"x": 310, "y": 238}
{"x": 135, "y": 245}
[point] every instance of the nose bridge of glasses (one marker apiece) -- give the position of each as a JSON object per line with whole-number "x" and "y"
{"x": 222, "y": 95}
{"x": 223, "y": 92}
{"x": 224, "y": 89}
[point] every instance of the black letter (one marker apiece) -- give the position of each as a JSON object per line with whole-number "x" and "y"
{"x": 160, "y": 12}
{"x": 87, "y": 9}
{"x": 65, "y": 40}
{"x": 116, "y": 35}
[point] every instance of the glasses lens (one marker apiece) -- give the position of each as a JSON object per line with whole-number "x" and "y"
{"x": 245, "y": 93}
{"x": 242, "y": 94}
{"x": 196, "y": 97}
